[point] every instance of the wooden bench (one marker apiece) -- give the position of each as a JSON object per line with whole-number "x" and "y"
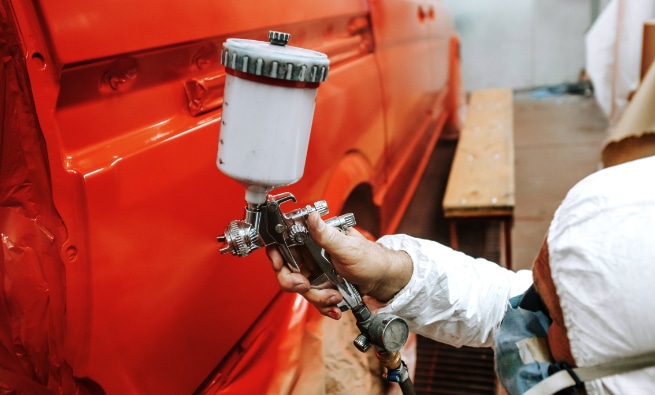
{"x": 481, "y": 181}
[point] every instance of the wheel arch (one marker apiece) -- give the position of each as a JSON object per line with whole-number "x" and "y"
{"x": 351, "y": 188}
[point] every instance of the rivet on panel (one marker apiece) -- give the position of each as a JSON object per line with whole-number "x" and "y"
{"x": 121, "y": 74}
{"x": 71, "y": 253}
{"x": 206, "y": 56}
{"x": 38, "y": 61}
{"x": 19, "y": 350}
{"x": 431, "y": 13}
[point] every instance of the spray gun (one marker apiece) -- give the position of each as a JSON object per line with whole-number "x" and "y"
{"x": 267, "y": 150}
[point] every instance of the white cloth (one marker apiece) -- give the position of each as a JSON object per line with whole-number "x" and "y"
{"x": 602, "y": 259}
{"x": 451, "y": 297}
{"x": 613, "y": 53}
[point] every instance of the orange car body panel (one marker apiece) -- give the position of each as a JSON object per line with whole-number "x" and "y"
{"x": 126, "y": 101}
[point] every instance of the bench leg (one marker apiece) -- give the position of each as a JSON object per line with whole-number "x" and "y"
{"x": 454, "y": 242}
{"x": 507, "y": 235}
{"x": 506, "y": 243}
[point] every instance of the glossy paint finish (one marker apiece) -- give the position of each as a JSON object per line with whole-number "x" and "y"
{"x": 127, "y": 97}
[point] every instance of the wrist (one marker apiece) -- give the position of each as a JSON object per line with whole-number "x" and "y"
{"x": 396, "y": 276}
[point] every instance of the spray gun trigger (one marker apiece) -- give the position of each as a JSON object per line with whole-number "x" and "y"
{"x": 288, "y": 257}
{"x": 317, "y": 281}
{"x": 320, "y": 282}
{"x": 281, "y": 198}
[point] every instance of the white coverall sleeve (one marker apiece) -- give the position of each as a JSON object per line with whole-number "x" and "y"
{"x": 451, "y": 297}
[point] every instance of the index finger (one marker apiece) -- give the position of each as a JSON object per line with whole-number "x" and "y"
{"x": 289, "y": 281}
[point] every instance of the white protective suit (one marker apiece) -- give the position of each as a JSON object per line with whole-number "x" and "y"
{"x": 601, "y": 247}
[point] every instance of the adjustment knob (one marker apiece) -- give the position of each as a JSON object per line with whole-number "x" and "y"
{"x": 343, "y": 222}
{"x": 278, "y": 38}
{"x": 298, "y": 233}
{"x": 348, "y": 220}
{"x": 235, "y": 237}
{"x": 321, "y": 207}
{"x": 362, "y": 343}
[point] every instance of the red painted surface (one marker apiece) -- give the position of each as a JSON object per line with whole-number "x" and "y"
{"x": 111, "y": 200}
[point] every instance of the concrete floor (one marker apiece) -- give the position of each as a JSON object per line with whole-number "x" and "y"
{"x": 557, "y": 142}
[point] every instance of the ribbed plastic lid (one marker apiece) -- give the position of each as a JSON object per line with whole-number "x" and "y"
{"x": 275, "y": 59}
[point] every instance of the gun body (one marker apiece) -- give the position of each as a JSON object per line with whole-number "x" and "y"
{"x": 265, "y": 224}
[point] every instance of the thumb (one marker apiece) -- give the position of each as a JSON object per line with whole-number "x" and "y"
{"x": 327, "y": 237}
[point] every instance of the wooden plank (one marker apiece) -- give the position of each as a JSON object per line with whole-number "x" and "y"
{"x": 481, "y": 181}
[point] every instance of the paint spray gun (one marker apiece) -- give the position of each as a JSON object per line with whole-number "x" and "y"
{"x": 268, "y": 107}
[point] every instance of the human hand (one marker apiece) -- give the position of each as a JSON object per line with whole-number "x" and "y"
{"x": 376, "y": 270}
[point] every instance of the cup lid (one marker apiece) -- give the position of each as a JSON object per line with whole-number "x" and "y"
{"x": 275, "y": 59}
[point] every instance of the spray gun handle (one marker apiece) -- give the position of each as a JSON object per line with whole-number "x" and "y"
{"x": 351, "y": 296}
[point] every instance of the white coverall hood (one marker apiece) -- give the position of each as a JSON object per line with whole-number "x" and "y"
{"x": 601, "y": 245}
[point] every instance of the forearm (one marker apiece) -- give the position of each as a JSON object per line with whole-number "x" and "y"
{"x": 451, "y": 297}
